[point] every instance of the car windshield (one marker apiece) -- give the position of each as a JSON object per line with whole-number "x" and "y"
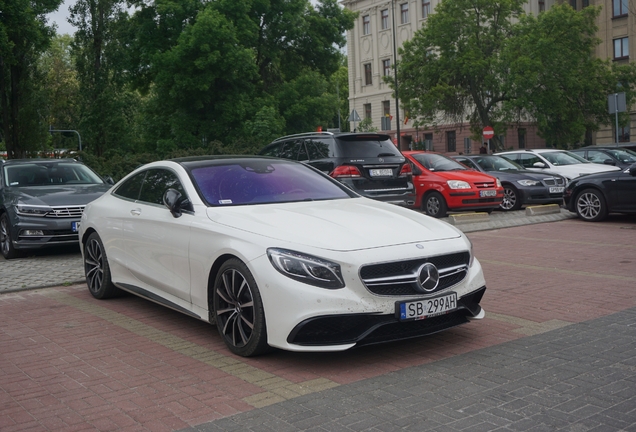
{"x": 623, "y": 155}
{"x": 366, "y": 147}
{"x": 496, "y": 163}
{"x": 437, "y": 162}
{"x": 239, "y": 182}
{"x": 49, "y": 174}
{"x": 563, "y": 158}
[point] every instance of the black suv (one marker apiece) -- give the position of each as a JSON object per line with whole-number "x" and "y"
{"x": 368, "y": 163}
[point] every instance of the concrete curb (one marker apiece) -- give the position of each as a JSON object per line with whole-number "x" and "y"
{"x": 543, "y": 209}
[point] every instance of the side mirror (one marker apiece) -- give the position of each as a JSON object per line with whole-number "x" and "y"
{"x": 416, "y": 170}
{"x": 632, "y": 170}
{"x": 109, "y": 180}
{"x": 609, "y": 162}
{"x": 538, "y": 165}
{"x": 176, "y": 203}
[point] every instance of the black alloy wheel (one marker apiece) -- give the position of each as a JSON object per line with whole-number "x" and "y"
{"x": 511, "y": 199}
{"x": 238, "y": 310}
{"x": 434, "y": 205}
{"x": 590, "y": 205}
{"x": 97, "y": 270}
{"x": 6, "y": 244}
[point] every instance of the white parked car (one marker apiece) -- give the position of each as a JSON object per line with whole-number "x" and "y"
{"x": 278, "y": 254}
{"x": 562, "y": 162}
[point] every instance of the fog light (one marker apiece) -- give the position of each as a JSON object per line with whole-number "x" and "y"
{"x": 33, "y": 233}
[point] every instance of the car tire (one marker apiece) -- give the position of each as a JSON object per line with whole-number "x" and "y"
{"x": 238, "y": 310}
{"x": 511, "y": 200}
{"x": 6, "y": 244}
{"x": 97, "y": 270}
{"x": 590, "y": 205}
{"x": 434, "y": 205}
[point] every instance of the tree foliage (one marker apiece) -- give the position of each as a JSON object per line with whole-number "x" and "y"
{"x": 486, "y": 62}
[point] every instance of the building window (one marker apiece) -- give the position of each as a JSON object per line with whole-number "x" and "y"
{"x": 367, "y": 74}
{"x": 623, "y": 134}
{"x": 620, "y": 7}
{"x": 451, "y": 141}
{"x": 386, "y": 67}
{"x": 521, "y": 135}
{"x": 426, "y": 8}
{"x": 386, "y": 115}
{"x": 367, "y": 111}
{"x": 573, "y": 4}
{"x": 366, "y": 25}
{"x": 621, "y": 48}
{"x": 428, "y": 141}
{"x": 404, "y": 8}
{"x": 585, "y": 3}
{"x": 384, "y": 19}
{"x": 541, "y": 5}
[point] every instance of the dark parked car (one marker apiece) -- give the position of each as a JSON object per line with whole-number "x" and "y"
{"x": 41, "y": 202}
{"x": 368, "y": 163}
{"x": 620, "y": 157}
{"x": 521, "y": 187}
{"x": 594, "y": 196}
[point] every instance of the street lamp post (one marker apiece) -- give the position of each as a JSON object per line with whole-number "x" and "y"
{"x": 68, "y": 130}
{"x": 397, "y": 103}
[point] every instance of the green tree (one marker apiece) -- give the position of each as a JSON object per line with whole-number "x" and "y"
{"x": 556, "y": 78}
{"x": 24, "y": 35}
{"x": 453, "y": 69}
{"x": 107, "y": 108}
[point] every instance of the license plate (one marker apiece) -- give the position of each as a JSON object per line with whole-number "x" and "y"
{"x": 421, "y": 309}
{"x": 75, "y": 226}
{"x": 381, "y": 172}
{"x": 556, "y": 189}
{"x": 487, "y": 193}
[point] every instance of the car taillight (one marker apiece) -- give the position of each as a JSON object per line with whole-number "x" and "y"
{"x": 345, "y": 171}
{"x": 406, "y": 170}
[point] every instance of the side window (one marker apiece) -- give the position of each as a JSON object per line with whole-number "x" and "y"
{"x": 130, "y": 188}
{"x": 596, "y": 156}
{"x": 289, "y": 149}
{"x": 317, "y": 149}
{"x": 528, "y": 160}
{"x": 157, "y": 182}
{"x": 302, "y": 151}
{"x": 272, "y": 150}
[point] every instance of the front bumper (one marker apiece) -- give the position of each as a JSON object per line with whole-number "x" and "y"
{"x": 539, "y": 195}
{"x": 55, "y": 232}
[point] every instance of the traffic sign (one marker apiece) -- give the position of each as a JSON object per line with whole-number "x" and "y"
{"x": 489, "y": 132}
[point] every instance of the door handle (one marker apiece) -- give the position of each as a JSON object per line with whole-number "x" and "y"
{"x": 135, "y": 212}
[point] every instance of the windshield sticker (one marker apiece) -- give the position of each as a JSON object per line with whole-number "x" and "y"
{"x": 225, "y": 201}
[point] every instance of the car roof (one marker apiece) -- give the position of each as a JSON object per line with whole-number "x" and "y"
{"x": 38, "y": 161}
{"x": 192, "y": 161}
{"x": 375, "y": 135}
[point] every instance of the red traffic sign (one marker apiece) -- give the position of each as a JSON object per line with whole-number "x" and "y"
{"x": 489, "y": 132}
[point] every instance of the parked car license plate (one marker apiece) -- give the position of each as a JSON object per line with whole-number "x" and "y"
{"x": 381, "y": 172}
{"x": 556, "y": 189}
{"x": 75, "y": 226}
{"x": 421, "y": 309}
{"x": 487, "y": 193}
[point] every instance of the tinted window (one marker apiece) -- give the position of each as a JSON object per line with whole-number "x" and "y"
{"x": 131, "y": 187}
{"x": 318, "y": 149}
{"x": 263, "y": 181}
{"x": 272, "y": 150}
{"x": 361, "y": 147}
{"x": 624, "y": 155}
{"x": 156, "y": 183}
{"x": 437, "y": 162}
{"x": 290, "y": 149}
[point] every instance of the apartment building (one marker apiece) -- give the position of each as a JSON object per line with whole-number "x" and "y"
{"x": 384, "y": 25}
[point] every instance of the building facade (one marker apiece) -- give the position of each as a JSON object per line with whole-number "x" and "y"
{"x": 371, "y": 53}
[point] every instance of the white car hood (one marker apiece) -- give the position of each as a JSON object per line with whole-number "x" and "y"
{"x": 583, "y": 168}
{"x": 341, "y": 225}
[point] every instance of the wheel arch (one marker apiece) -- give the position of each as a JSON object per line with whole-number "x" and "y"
{"x": 214, "y": 271}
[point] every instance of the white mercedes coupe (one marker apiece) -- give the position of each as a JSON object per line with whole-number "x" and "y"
{"x": 278, "y": 255}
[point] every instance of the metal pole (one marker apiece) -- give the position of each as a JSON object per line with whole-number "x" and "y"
{"x": 397, "y": 100}
{"x": 616, "y": 106}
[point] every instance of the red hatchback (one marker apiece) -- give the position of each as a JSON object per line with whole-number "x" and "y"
{"x": 443, "y": 184}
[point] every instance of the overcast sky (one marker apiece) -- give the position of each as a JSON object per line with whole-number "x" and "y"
{"x": 60, "y": 17}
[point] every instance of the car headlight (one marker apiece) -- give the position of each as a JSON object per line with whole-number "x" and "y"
{"x": 528, "y": 182}
{"x": 306, "y": 268}
{"x": 458, "y": 184}
{"x": 32, "y": 210}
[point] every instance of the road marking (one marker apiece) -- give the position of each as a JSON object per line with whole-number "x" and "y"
{"x": 276, "y": 389}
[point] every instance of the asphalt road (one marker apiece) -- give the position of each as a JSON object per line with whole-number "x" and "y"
{"x": 555, "y": 352}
